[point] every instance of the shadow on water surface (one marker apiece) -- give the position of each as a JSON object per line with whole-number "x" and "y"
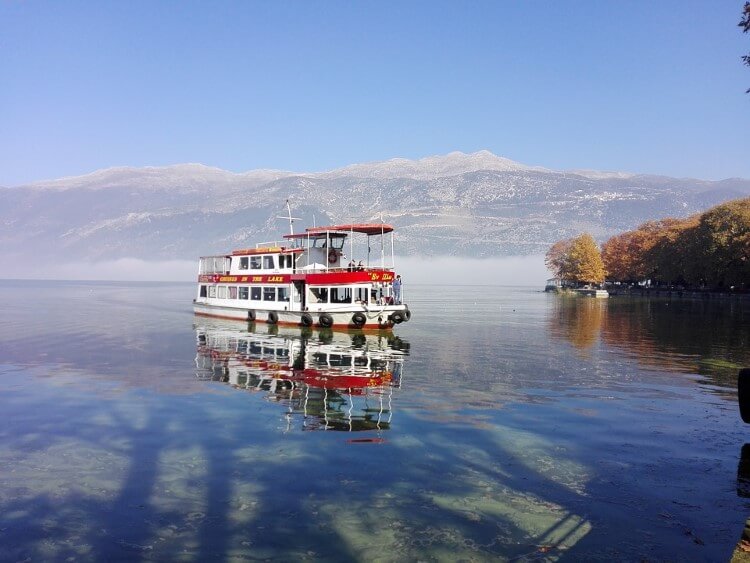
{"x": 216, "y": 476}
{"x": 169, "y": 491}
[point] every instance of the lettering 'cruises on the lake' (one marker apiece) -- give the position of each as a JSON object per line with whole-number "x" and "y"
{"x": 306, "y": 280}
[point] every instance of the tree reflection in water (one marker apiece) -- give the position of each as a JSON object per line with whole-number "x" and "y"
{"x": 707, "y": 337}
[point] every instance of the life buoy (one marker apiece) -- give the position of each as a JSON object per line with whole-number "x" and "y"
{"x": 325, "y": 320}
{"x": 273, "y": 318}
{"x": 397, "y": 317}
{"x": 359, "y": 319}
{"x": 306, "y": 319}
{"x": 333, "y": 256}
{"x": 251, "y": 316}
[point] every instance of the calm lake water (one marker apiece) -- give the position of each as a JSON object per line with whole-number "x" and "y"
{"x": 500, "y": 423}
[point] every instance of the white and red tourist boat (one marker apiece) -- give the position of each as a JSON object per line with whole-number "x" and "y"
{"x": 309, "y": 279}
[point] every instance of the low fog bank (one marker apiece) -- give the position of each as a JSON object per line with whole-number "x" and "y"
{"x": 514, "y": 270}
{"x": 124, "y": 269}
{"x": 510, "y": 270}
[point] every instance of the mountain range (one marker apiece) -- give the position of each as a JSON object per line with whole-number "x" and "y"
{"x": 476, "y": 205}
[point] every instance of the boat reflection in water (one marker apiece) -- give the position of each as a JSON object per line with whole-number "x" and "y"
{"x": 327, "y": 380}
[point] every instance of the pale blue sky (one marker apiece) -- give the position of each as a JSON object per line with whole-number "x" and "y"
{"x": 640, "y": 86}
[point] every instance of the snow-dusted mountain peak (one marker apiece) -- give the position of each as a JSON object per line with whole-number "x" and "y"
{"x": 430, "y": 167}
{"x": 187, "y": 175}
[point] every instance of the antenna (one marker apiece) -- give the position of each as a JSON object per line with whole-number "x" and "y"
{"x": 289, "y": 218}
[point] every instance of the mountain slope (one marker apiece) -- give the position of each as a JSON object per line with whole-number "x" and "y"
{"x": 473, "y": 205}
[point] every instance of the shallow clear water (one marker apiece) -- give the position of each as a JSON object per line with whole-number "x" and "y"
{"x": 498, "y": 423}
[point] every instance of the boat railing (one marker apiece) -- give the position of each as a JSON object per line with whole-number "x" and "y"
{"x": 323, "y": 268}
{"x": 272, "y": 244}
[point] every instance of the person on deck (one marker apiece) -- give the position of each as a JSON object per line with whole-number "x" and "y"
{"x": 397, "y": 290}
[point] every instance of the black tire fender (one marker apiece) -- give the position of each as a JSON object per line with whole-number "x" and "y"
{"x": 359, "y": 319}
{"x": 273, "y": 318}
{"x": 407, "y": 315}
{"x": 306, "y": 319}
{"x": 251, "y": 316}
{"x": 397, "y": 317}
{"x": 325, "y": 320}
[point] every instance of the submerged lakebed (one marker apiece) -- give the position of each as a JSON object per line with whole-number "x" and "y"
{"x": 499, "y": 422}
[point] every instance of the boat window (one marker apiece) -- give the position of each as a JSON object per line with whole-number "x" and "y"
{"x": 255, "y": 293}
{"x": 319, "y": 294}
{"x": 319, "y": 243}
{"x": 341, "y": 295}
{"x": 336, "y": 360}
{"x": 203, "y": 291}
{"x": 214, "y": 265}
{"x": 268, "y": 263}
{"x": 286, "y": 261}
{"x": 283, "y": 294}
{"x": 269, "y": 294}
{"x": 338, "y": 242}
{"x": 232, "y": 292}
{"x": 221, "y": 292}
{"x": 212, "y": 291}
{"x": 244, "y": 292}
{"x": 255, "y": 262}
{"x": 244, "y": 261}
{"x": 361, "y": 294}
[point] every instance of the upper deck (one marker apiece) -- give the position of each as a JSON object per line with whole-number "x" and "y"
{"x": 316, "y": 256}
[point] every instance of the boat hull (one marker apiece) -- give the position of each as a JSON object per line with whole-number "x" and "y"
{"x": 377, "y": 318}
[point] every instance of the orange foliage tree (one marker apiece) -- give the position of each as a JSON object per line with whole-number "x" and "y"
{"x": 577, "y": 260}
{"x": 556, "y": 259}
{"x": 711, "y": 249}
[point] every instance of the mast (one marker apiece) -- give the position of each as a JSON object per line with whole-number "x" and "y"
{"x": 289, "y": 217}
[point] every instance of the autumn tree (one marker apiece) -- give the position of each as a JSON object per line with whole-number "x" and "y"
{"x": 623, "y": 255}
{"x": 711, "y": 249}
{"x": 673, "y": 255}
{"x": 556, "y": 259}
{"x": 577, "y": 260}
{"x": 585, "y": 260}
{"x": 724, "y": 237}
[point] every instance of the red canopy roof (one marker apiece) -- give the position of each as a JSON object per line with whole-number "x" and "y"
{"x": 365, "y": 228}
